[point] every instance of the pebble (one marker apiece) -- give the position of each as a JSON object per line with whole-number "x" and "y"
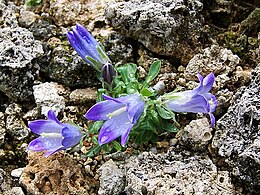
{"x": 17, "y": 172}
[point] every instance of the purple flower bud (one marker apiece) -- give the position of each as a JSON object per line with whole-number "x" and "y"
{"x": 198, "y": 100}
{"x": 108, "y": 73}
{"x": 54, "y": 135}
{"x": 121, "y": 114}
{"x": 87, "y": 47}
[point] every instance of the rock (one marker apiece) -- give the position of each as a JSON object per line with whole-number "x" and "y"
{"x": 14, "y": 123}
{"x": 237, "y": 138}
{"x": 171, "y": 28}
{"x": 215, "y": 59}
{"x": 47, "y": 97}
{"x": 68, "y": 68}
{"x": 251, "y": 25}
{"x": 26, "y": 18}
{"x": 196, "y": 135}
{"x": 111, "y": 179}
{"x": 17, "y": 172}
{"x": 83, "y": 96}
{"x": 2, "y": 129}
{"x": 58, "y": 174}
{"x": 18, "y": 49}
{"x": 8, "y": 17}
{"x": 173, "y": 173}
{"x": 14, "y": 191}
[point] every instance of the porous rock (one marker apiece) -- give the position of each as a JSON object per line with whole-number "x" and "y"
{"x": 197, "y": 134}
{"x": 2, "y": 128}
{"x": 215, "y": 59}
{"x": 171, "y": 28}
{"x": 47, "y": 97}
{"x": 173, "y": 173}
{"x": 14, "y": 123}
{"x": 237, "y": 137}
{"x": 17, "y": 73}
{"x": 84, "y": 96}
{"x": 111, "y": 179}
{"x": 8, "y": 17}
{"x": 57, "y": 174}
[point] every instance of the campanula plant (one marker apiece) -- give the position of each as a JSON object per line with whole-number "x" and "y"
{"x": 198, "y": 100}
{"x": 54, "y": 135}
{"x": 120, "y": 114}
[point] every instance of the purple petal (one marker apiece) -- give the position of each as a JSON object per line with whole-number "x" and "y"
{"x": 135, "y": 107}
{"x": 208, "y": 83}
{"x": 212, "y": 101}
{"x": 86, "y": 35}
{"x": 212, "y": 119}
{"x": 100, "y": 110}
{"x": 196, "y": 104}
{"x": 36, "y": 145}
{"x": 113, "y": 128}
{"x": 51, "y": 115}
{"x": 72, "y": 136}
{"x": 44, "y": 126}
{"x": 52, "y": 151}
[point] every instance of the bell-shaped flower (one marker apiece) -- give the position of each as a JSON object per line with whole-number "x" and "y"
{"x": 87, "y": 47}
{"x": 121, "y": 114}
{"x": 54, "y": 135}
{"x": 198, "y": 100}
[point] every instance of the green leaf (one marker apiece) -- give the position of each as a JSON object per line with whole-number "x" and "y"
{"x": 93, "y": 151}
{"x": 117, "y": 145}
{"x": 146, "y": 92}
{"x": 95, "y": 127}
{"x": 128, "y": 72}
{"x": 170, "y": 127}
{"x": 165, "y": 113}
{"x": 32, "y": 2}
{"x": 153, "y": 72}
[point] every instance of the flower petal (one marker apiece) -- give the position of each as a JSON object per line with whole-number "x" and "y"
{"x": 113, "y": 128}
{"x": 51, "y": 115}
{"x": 196, "y": 104}
{"x": 212, "y": 119}
{"x": 100, "y": 110}
{"x": 71, "y": 134}
{"x": 212, "y": 101}
{"x": 208, "y": 83}
{"x": 36, "y": 145}
{"x": 44, "y": 126}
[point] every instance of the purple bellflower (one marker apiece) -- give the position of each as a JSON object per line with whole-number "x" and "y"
{"x": 54, "y": 135}
{"x": 121, "y": 114}
{"x": 198, "y": 100}
{"x": 87, "y": 47}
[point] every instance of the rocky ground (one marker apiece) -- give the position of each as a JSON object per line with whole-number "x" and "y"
{"x": 40, "y": 71}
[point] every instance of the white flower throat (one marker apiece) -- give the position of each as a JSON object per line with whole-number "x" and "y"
{"x": 117, "y": 112}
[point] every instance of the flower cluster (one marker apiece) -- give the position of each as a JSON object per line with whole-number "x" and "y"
{"x": 126, "y": 106}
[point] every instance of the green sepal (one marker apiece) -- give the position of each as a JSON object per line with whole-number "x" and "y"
{"x": 116, "y": 145}
{"x": 99, "y": 94}
{"x": 96, "y": 64}
{"x": 165, "y": 113}
{"x": 102, "y": 54}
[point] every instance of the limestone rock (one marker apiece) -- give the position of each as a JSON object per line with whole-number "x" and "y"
{"x": 170, "y": 28}
{"x": 8, "y": 17}
{"x": 237, "y": 137}
{"x": 84, "y": 96}
{"x": 2, "y": 128}
{"x": 173, "y": 173}
{"x": 17, "y": 73}
{"x": 14, "y": 123}
{"x": 47, "y": 97}
{"x": 111, "y": 179}
{"x": 57, "y": 174}
{"x": 197, "y": 134}
{"x": 215, "y": 59}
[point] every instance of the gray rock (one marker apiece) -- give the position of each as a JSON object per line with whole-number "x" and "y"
{"x": 14, "y": 122}
{"x": 215, "y": 59}
{"x": 237, "y": 137}
{"x": 168, "y": 27}
{"x": 8, "y": 17}
{"x": 83, "y": 96}
{"x": 173, "y": 173}
{"x": 111, "y": 179}
{"x": 17, "y": 73}
{"x": 2, "y": 128}
{"x": 47, "y": 97}
{"x": 197, "y": 134}
{"x": 26, "y": 18}
{"x": 68, "y": 68}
